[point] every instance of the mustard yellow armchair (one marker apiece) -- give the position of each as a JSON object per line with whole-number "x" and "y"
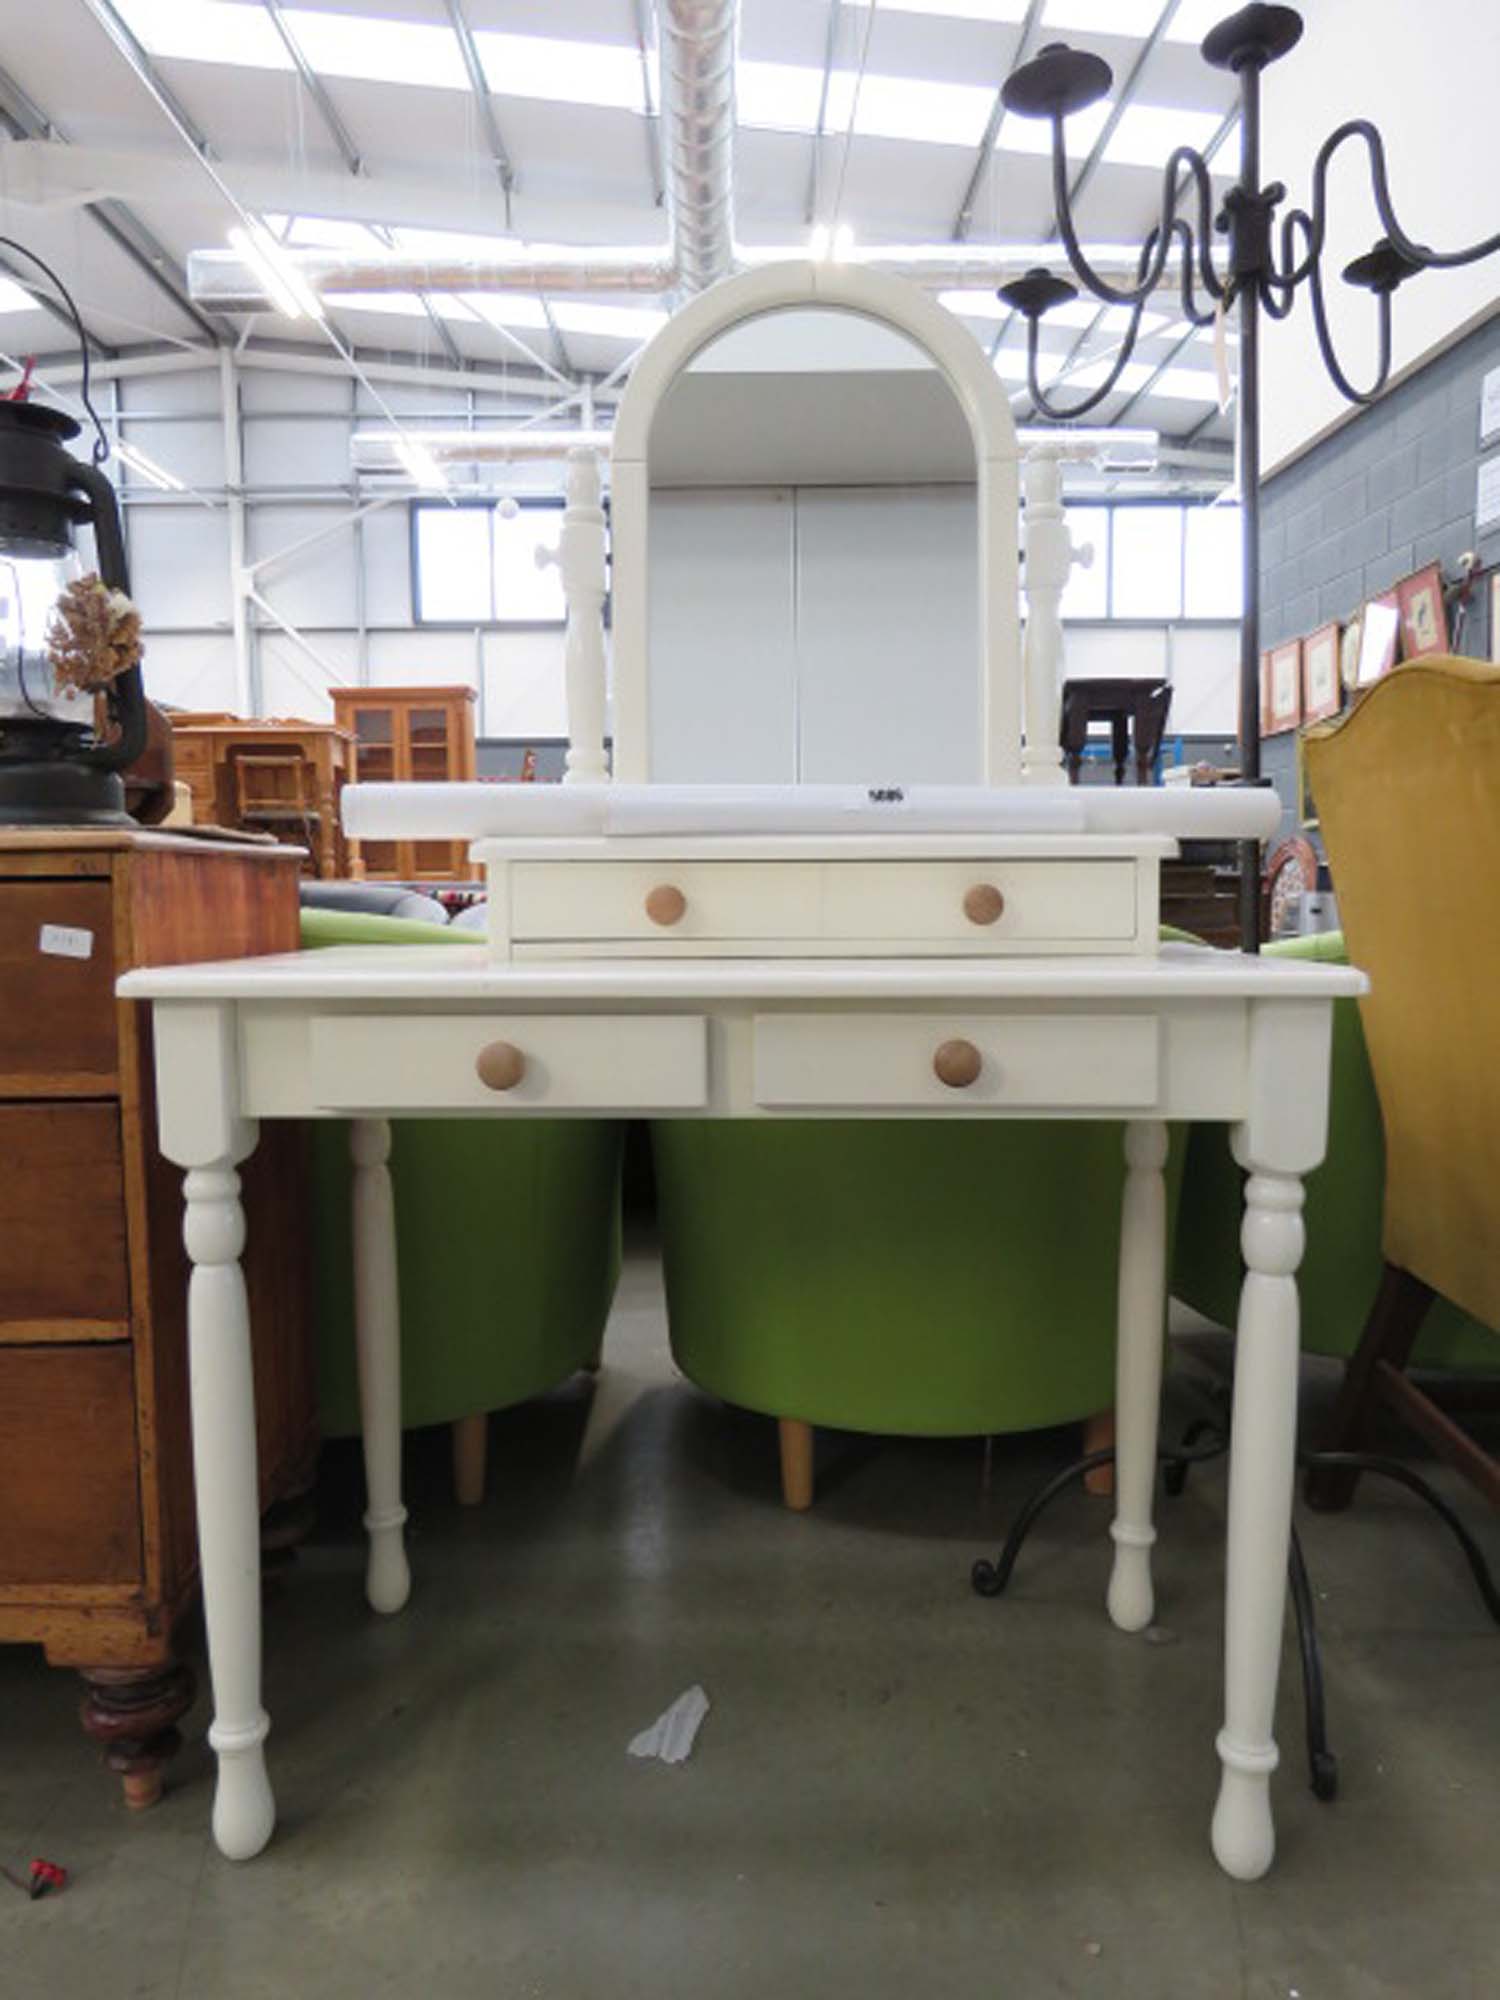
{"x": 1408, "y": 792}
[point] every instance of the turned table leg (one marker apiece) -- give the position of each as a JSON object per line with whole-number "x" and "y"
{"x": 1263, "y": 1446}
{"x": 224, "y": 1457}
{"x": 377, "y": 1329}
{"x": 1138, "y": 1366}
{"x": 132, "y": 1713}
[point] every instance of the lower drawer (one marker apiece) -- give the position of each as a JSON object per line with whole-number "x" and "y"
{"x": 64, "y": 1273}
{"x": 471, "y": 1062}
{"x": 950, "y": 1062}
{"x": 70, "y": 1509}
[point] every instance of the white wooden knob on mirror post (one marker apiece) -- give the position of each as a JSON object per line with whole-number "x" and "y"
{"x": 581, "y": 559}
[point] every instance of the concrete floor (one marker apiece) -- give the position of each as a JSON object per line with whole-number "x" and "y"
{"x": 900, "y": 1790}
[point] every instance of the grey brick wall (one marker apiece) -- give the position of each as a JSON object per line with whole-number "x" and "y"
{"x": 1391, "y": 491}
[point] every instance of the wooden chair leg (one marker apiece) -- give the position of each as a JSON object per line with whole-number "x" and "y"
{"x": 1390, "y": 1334}
{"x": 1099, "y": 1435}
{"x": 471, "y": 1437}
{"x": 796, "y": 1463}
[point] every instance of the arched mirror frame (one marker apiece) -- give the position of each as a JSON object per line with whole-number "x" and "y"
{"x": 906, "y": 310}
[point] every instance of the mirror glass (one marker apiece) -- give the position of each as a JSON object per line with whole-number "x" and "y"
{"x": 813, "y": 562}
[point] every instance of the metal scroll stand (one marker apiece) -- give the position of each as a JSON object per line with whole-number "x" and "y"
{"x": 1264, "y": 267}
{"x": 1208, "y": 1438}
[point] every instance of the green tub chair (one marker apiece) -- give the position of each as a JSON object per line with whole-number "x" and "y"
{"x": 896, "y": 1277}
{"x": 1343, "y": 1264}
{"x": 508, "y": 1235}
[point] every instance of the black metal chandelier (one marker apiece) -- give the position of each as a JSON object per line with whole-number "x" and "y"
{"x": 1262, "y": 267}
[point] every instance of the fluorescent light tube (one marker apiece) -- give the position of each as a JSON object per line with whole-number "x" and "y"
{"x": 285, "y": 285}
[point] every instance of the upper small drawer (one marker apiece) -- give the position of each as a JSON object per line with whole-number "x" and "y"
{"x": 664, "y": 899}
{"x": 995, "y": 902}
{"x": 57, "y": 973}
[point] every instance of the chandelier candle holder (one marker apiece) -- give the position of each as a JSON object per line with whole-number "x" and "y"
{"x": 1263, "y": 264}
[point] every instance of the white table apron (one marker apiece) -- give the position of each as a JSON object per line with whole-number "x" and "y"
{"x": 370, "y": 1033}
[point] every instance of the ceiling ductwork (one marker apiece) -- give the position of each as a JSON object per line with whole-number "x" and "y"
{"x": 698, "y": 44}
{"x": 697, "y": 91}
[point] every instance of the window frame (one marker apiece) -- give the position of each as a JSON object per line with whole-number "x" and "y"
{"x": 493, "y": 623}
{"x": 1184, "y": 507}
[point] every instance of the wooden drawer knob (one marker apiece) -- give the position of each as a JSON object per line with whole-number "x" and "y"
{"x": 957, "y": 1064}
{"x": 501, "y": 1065}
{"x": 666, "y": 904}
{"x": 984, "y": 904}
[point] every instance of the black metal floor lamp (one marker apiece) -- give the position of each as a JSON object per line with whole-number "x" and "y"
{"x": 1263, "y": 267}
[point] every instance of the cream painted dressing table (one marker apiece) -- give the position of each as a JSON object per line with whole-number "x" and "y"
{"x": 906, "y": 961}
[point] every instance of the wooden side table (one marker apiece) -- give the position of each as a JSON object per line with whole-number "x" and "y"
{"x": 1135, "y": 710}
{"x": 98, "y": 1553}
{"x": 204, "y": 755}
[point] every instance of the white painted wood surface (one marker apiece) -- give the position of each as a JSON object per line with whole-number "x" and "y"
{"x": 377, "y": 1342}
{"x": 1241, "y": 1040}
{"x": 773, "y": 906}
{"x": 907, "y": 310}
{"x": 1138, "y": 1367}
{"x": 880, "y": 1061}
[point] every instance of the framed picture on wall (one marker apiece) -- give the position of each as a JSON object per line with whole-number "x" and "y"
{"x": 1349, "y": 651}
{"x": 1307, "y": 810}
{"x": 1281, "y": 688}
{"x": 1380, "y": 630}
{"x": 1322, "y": 690}
{"x": 1424, "y": 628}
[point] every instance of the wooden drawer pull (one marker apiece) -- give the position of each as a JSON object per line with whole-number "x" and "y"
{"x": 501, "y": 1065}
{"x": 957, "y": 1064}
{"x": 984, "y": 904}
{"x": 666, "y": 904}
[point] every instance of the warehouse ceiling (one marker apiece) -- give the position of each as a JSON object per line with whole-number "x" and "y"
{"x": 358, "y": 124}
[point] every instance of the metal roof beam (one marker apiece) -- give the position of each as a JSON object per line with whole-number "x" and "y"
{"x": 830, "y": 49}
{"x": 30, "y": 282}
{"x": 109, "y": 18}
{"x": 963, "y": 221}
{"x": 468, "y": 48}
{"x": 1117, "y": 110}
{"x": 313, "y": 84}
{"x": 653, "y": 109}
{"x": 24, "y": 118}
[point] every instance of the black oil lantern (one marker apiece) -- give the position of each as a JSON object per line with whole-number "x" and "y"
{"x": 72, "y": 714}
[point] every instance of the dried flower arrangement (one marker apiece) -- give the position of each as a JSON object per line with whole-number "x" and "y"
{"x": 94, "y": 635}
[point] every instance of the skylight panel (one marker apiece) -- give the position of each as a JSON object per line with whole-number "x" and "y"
{"x": 15, "y": 298}
{"x": 1034, "y": 135}
{"x": 1194, "y": 18}
{"x": 323, "y": 232}
{"x": 509, "y": 309}
{"x": 1105, "y": 17}
{"x": 221, "y": 31}
{"x": 439, "y": 243}
{"x": 406, "y": 305}
{"x": 376, "y": 50}
{"x": 902, "y": 107}
{"x": 1134, "y": 375}
{"x": 1187, "y": 385}
{"x": 1147, "y": 134}
{"x": 777, "y": 97}
{"x": 606, "y": 74}
{"x": 1004, "y": 11}
{"x": 614, "y": 322}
